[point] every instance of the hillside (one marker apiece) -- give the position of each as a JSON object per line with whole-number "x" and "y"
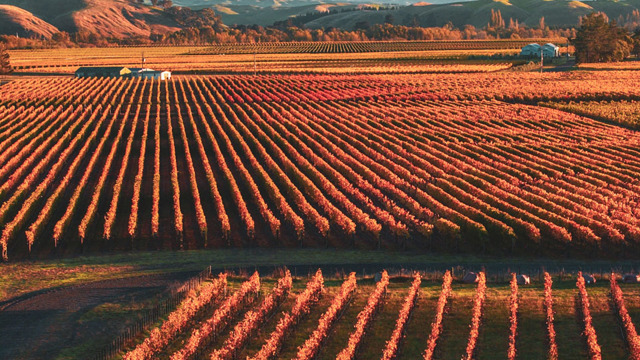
{"x": 122, "y": 18}
{"x": 477, "y": 13}
{"x": 14, "y": 20}
{"x": 112, "y": 18}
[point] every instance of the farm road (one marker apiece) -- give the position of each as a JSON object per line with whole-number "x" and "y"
{"x": 41, "y": 325}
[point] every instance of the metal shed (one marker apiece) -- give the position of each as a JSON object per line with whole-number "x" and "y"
{"x": 102, "y": 71}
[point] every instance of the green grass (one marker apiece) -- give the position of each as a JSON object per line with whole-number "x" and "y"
{"x": 453, "y": 341}
{"x": 495, "y": 321}
{"x": 337, "y": 339}
{"x": 380, "y": 332}
{"x": 419, "y": 326}
{"x": 18, "y": 278}
{"x": 532, "y": 339}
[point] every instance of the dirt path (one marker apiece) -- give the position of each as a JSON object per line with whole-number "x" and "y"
{"x": 41, "y": 326}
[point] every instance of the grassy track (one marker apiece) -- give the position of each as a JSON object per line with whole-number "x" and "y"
{"x": 532, "y": 340}
{"x": 495, "y": 321}
{"x": 23, "y": 277}
{"x": 419, "y": 327}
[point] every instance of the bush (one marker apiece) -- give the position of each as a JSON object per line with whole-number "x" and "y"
{"x": 5, "y": 65}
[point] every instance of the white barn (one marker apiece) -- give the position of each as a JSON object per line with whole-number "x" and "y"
{"x": 150, "y": 74}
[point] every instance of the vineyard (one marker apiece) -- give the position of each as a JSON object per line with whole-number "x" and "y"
{"x": 370, "y": 46}
{"x": 312, "y": 57}
{"x": 623, "y": 112}
{"x": 432, "y": 162}
{"x": 446, "y": 61}
{"x": 428, "y": 316}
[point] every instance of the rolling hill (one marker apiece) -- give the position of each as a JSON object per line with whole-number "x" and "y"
{"x": 114, "y": 18}
{"x": 125, "y": 18}
{"x": 14, "y": 20}
{"x": 477, "y": 13}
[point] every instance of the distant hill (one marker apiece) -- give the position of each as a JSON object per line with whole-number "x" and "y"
{"x": 116, "y": 18}
{"x": 423, "y": 13}
{"x": 14, "y": 20}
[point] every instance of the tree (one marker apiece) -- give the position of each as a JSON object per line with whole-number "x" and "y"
{"x": 599, "y": 40}
{"x": 166, "y": 4}
{"x": 154, "y": 2}
{"x": 636, "y": 43}
{"x": 514, "y": 25}
{"x": 388, "y": 19}
{"x": 5, "y": 66}
{"x": 496, "y": 21}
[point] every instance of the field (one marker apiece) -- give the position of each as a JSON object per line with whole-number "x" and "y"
{"x": 66, "y": 308}
{"x": 347, "y": 47}
{"x": 416, "y": 160}
{"x": 433, "y": 162}
{"x": 398, "y": 317}
{"x": 301, "y": 57}
{"x": 622, "y": 112}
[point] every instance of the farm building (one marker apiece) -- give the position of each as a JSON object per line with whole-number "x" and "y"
{"x": 119, "y": 71}
{"x": 150, "y": 74}
{"x": 550, "y": 50}
{"x": 533, "y": 50}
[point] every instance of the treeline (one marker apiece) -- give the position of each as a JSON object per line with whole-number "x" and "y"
{"x": 220, "y": 34}
{"x": 206, "y": 27}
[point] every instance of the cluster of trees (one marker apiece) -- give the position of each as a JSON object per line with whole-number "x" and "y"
{"x": 209, "y": 32}
{"x": 601, "y": 40}
{"x": 253, "y": 34}
{"x": 188, "y": 18}
{"x": 5, "y": 65}
{"x": 497, "y": 28}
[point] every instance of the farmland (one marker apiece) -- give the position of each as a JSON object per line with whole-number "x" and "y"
{"x": 412, "y": 157}
{"x": 447, "y": 162}
{"x": 409, "y": 317}
{"x": 86, "y": 303}
{"x": 300, "y": 57}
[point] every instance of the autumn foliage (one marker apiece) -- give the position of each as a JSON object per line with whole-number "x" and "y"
{"x": 589, "y": 331}
{"x": 633, "y": 340}
{"x": 178, "y": 320}
{"x": 366, "y": 160}
{"x": 391, "y": 349}
{"x": 436, "y": 325}
{"x": 364, "y": 318}
{"x": 476, "y": 317}
{"x": 548, "y": 307}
